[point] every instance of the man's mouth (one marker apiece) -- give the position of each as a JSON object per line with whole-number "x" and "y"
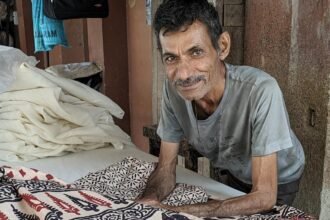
{"x": 190, "y": 86}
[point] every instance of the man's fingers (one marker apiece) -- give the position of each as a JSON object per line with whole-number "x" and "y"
{"x": 151, "y": 202}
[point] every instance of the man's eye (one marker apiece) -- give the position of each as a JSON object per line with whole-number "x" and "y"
{"x": 197, "y": 52}
{"x": 169, "y": 59}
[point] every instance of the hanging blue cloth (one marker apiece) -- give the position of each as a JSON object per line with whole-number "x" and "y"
{"x": 48, "y": 32}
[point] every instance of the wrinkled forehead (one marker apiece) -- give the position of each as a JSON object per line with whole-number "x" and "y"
{"x": 195, "y": 33}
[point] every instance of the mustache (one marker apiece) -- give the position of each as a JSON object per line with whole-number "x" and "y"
{"x": 189, "y": 81}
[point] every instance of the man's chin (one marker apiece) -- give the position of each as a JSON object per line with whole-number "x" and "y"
{"x": 190, "y": 97}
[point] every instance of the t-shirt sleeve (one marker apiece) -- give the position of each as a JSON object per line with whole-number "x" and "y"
{"x": 169, "y": 128}
{"x": 270, "y": 123}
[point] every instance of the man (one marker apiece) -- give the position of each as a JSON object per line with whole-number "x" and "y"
{"x": 233, "y": 115}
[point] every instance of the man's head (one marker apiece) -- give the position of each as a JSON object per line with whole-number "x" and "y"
{"x": 192, "y": 47}
{"x": 172, "y": 15}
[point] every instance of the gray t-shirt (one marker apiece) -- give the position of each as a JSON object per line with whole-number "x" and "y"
{"x": 251, "y": 120}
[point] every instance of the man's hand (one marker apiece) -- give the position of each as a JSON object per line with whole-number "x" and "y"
{"x": 156, "y": 204}
{"x": 261, "y": 198}
{"x": 149, "y": 197}
{"x": 162, "y": 181}
{"x": 149, "y": 201}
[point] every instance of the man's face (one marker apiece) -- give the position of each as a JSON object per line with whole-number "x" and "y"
{"x": 191, "y": 62}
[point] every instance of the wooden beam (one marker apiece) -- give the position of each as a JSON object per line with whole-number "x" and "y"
{"x": 25, "y": 32}
{"x": 25, "y": 26}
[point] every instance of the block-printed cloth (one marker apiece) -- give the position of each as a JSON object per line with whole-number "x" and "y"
{"x": 107, "y": 194}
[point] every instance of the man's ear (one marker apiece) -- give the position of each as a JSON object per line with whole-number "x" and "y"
{"x": 224, "y": 44}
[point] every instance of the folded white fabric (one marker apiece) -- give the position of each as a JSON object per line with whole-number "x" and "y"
{"x": 45, "y": 115}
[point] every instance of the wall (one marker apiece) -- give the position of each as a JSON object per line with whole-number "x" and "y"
{"x": 140, "y": 76}
{"x": 232, "y": 19}
{"x": 77, "y": 51}
{"x": 325, "y": 194}
{"x": 158, "y": 73}
{"x": 115, "y": 59}
{"x": 290, "y": 40}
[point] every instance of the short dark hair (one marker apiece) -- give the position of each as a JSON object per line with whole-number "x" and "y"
{"x": 174, "y": 14}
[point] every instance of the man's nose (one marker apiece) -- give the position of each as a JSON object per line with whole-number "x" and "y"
{"x": 183, "y": 70}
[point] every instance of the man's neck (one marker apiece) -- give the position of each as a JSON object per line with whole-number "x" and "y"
{"x": 209, "y": 103}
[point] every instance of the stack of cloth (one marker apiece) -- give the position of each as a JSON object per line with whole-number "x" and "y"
{"x": 45, "y": 115}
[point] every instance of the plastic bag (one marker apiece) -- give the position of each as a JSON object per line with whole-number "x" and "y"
{"x": 10, "y": 60}
{"x": 87, "y": 73}
{"x": 47, "y": 32}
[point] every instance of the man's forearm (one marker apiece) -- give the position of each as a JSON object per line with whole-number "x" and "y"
{"x": 244, "y": 205}
{"x": 160, "y": 183}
